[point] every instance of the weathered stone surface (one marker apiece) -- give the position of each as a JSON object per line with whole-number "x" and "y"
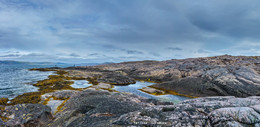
{"x": 116, "y": 79}
{"x": 96, "y": 108}
{"x": 27, "y": 115}
{"x": 62, "y": 94}
{"x": 222, "y": 77}
{"x": 210, "y": 111}
{"x": 102, "y": 86}
{"x": 210, "y": 76}
{"x": 152, "y": 91}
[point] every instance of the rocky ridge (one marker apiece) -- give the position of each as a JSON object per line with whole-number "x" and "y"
{"x": 210, "y": 76}
{"x": 100, "y": 108}
{"x": 225, "y": 78}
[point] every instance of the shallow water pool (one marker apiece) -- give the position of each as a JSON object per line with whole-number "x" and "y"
{"x": 80, "y": 84}
{"x": 133, "y": 88}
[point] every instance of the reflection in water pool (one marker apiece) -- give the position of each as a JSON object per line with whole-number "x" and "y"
{"x": 133, "y": 88}
{"x": 80, "y": 84}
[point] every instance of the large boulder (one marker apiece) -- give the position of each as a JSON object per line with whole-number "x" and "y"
{"x": 217, "y": 81}
{"x": 96, "y": 108}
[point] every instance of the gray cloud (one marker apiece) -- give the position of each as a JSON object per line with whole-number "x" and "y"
{"x": 132, "y": 51}
{"x": 74, "y": 55}
{"x": 10, "y": 55}
{"x": 175, "y": 48}
{"x": 117, "y": 30}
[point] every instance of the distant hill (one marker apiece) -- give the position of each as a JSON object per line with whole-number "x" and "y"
{"x": 13, "y": 62}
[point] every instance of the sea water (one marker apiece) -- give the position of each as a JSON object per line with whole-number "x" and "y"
{"x": 16, "y": 79}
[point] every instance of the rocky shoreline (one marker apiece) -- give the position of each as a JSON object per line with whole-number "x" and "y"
{"x": 233, "y": 82}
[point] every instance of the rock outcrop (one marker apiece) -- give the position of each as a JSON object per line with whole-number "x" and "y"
{"x": 201, "y": 112}
{"x": 210, "y": 76}
{"x": 225, "y": 78}
{"x": 99, "y": 108}
{"x": 96, "y": 108}
{"x": 25, "y": 115}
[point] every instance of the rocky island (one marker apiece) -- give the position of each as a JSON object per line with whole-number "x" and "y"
{"x": 223, "y": 91}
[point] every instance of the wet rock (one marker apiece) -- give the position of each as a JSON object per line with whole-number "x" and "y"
{"x": 153, "y": 91}
{"x": 26, "y": 115}
{"x": 102, "y": 86}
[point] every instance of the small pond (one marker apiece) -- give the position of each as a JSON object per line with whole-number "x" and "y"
{"x": 80, "y": 84}
{"x": 133, "y": 88}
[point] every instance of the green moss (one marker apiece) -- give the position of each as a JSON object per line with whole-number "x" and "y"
{"x": 60, "y": 107}
{"x": 3, "y": 101}
{"x": 33, "y": 97}
{"x": 56, "y": 98}
{"x": 148, "y": 80}
{"x": 5, "y": 119}
{"x": 168, "y": 92}
{"x": 93, "y": 80}
{"x": 61, "y": 72}
{"x": 2, "y": 108}
{"x": 46, "y": 101}
{"x": 53, "y": 83}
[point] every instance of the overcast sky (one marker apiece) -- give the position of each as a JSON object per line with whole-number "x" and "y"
{"x": 127, "y": 30}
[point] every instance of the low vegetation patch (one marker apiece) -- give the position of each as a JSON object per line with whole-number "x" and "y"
{"x": 3, "y": 101}
{"x": 53, "y": 83}
{"x": 168, "y": 92}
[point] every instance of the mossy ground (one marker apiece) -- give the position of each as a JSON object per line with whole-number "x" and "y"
{"x": 53, "y": 83}
{"x": 93, "y": 80}
{"x": 151, "y": 80}
{"x": 3, "y": 101}
{"x": 167, "y": 92}
{"x": 60, "y": 81}
{"x": 60, "y": 108}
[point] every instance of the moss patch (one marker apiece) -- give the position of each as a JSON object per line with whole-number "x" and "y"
{"x": 3, "y": 101}
{"x": 167, "y": 92}
{"x": 148, "y": 80}
{"x": 53, "y": 83}
{"x": 60, "y": 107}
{"x": 33, "y": 97}
{"x": 93, "y": 80}
{"x": 5, "y": 119}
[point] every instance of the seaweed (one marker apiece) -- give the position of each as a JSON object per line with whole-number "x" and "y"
{"x": 4, "y": 101}
{"x": 53, "y": 83}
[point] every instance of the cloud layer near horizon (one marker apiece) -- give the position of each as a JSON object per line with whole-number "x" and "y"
{"x": 116, "y": 30}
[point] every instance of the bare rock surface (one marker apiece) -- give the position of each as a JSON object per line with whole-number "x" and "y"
{"x": 96, "y": 108}
{"x": 99, "y": 108}
{"x": 26, "y": 115}
{"x": 209, "y": 111}
{"x": 209, "y": 76}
